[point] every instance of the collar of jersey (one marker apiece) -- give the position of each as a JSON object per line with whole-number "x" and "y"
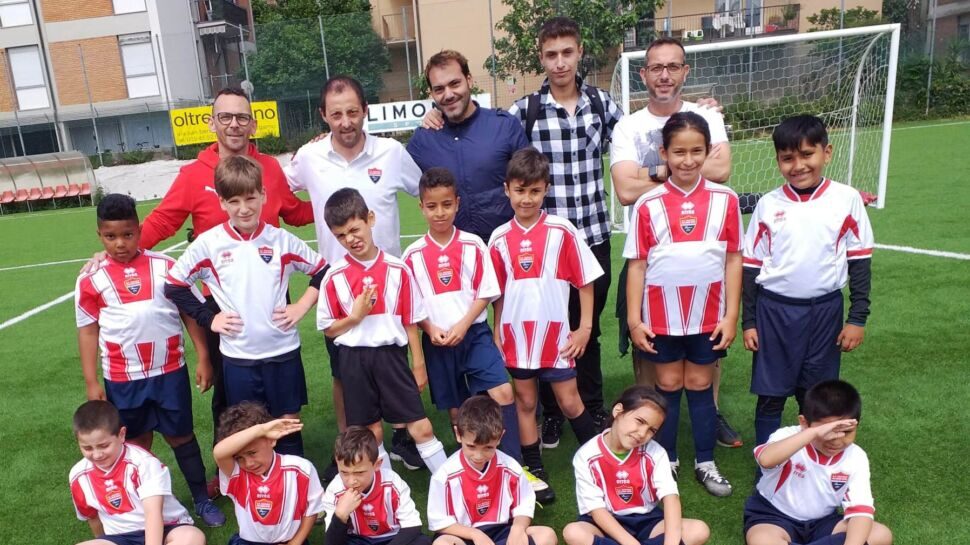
{"x": 822, "y": 459}
{"x": 354, "y": 261}
{"x": 367, "y": 150}
{"x": 236, "y": 235}
{"x": 478, "y": 475}
{"x": 138, "y": 253}
{"x": 605, "y": 449}
{"x": 271, "y": 473}
{"x": 373, "y": 485}
{"x": 674, "y": 187}
{"x": 542, "y": 218}
{"x": 114, "y": 467}
{"x": 454, "y": 235}
{"x": 794, "y": 196}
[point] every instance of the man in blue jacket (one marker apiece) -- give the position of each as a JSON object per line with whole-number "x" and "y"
{"x": 475, "y": 144}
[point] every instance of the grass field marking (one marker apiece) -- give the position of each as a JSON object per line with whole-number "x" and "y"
{"x": 931, "y": 125}
{"x": 79, "y": 260}
{"x": 37, "y": 310}
{"x": 921, "y": 251}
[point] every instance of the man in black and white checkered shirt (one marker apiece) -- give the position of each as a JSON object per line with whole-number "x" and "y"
{"x": 570, "y": 122}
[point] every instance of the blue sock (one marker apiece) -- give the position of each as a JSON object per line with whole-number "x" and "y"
{"x": 189, "y": 459}
{"x": 703, "y": 414}
{"x": 834, "y": 539}
{"x": 291, "y": 444}
{"x": 667, "y": 435}
{"x": 767, "y": 417}
{"x": 510, "y": 443}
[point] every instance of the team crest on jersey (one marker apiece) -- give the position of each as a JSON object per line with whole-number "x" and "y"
{"x": 688, "y": 220}
{"x": 374, "y": 174}
{"x": 263, "y": 507}
{"x": 132, "y": 281}
{"x": 623, "y": 488}
{"x": 445, "y": 272}
{"x": 526, "y": 257}
{"x": 369, "y": 517}
{"x": 114, "y": 498}
{"x": 839, "y": 480}
{"x": 266, "y": 253}
{"x": 368, "y": 283}
{"x": 483, "y": 500}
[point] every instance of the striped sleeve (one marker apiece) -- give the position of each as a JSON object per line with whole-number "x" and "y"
{"x": 757, "y": 239}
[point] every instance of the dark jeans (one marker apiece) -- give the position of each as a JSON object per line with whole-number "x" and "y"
{"x": 589, "y": 374}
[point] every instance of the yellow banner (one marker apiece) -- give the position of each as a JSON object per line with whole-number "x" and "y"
{"x": 191, "y": 125}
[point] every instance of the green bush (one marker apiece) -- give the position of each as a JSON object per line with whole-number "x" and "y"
{"x": 949, "y": 90}
{"x": 272, "y": 145}
{"x": 136, "y": 157}
{"x": 190, "y": 151}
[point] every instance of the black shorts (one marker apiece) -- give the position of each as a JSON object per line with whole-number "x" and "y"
{"x": 353, "y": 539}
{"x": 697, "y": 349}
{"x": 498, "y": 533}
{"x": 277, "y": 382}
{"x": 137, "y": 537}
{"x": 758, "y": 510}
{"x": 162, "y": 403}
{"x": 332, "y": 353}
{"x": 379, "y": 385}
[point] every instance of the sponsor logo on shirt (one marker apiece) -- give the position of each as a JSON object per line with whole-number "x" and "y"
{"x": 132, "y": 281}
{"x": 225, "y": 258}
{"x": 266, "y": 254}
{"x": 526, "y": 257}
{"x": 779, "y": 216}
{"x": 483, "y": 499}
{"x": 839, "y": 480}
{"x": 445, "y": 272}
{"x": 624, "y": 490}
{"x": 374, "y": 174}
{"x": 800, "y": 469}
{"x": 688, "y": 220}
{"x": 263, "y": 504}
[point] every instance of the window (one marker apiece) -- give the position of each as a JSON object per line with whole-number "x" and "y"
{"x": 139, "y": 62}
{"x": 15, "y": 13}
{"x": 28, "y": 77}
{"x": 128, "y": 6}
{"x": 963, "y": 27}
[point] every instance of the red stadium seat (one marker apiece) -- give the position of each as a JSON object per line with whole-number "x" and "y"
{"x": 21, "y": 195}
{"x": 85, "y": 189}
{"x": 73, "y": 190}
{"x": 7, "y": 197}
{"x": 35, "y": 194}
{"x": 60, "y": 191}
{"x": 47, "y": 193}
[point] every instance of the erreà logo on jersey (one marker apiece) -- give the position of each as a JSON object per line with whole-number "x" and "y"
{"x": 263, "y": 507}
{"x": 370, "y": 518}
{"x": 266, "y": 254}
{"x": 445, "y": 272}
{"x": 132, "y": 281}
{"x": 368, "y": 283}
{"x": 623, "y": 488}
{"x": 839, "y": 480}
{"x": 526, "y": 257}
{"x": 688, "y": 221}
{"x": 483, "y": 500}
{"x": 374, "y": 174}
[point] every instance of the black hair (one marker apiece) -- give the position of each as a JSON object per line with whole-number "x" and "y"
{"x": 436, "y": 177}
{"x": 682, "y": 121}
{"x": 117, "y": 207}
{"x": 97, "y": 415}
{"x": 344, "y": 205}
{"x": 665, "y": 40}
{"x": 338, "y": 84}
{"x": 637, "y": 396}
{"x": 528, "y": 166}
{"x": 832, "y": 398}
{"x": 790, "y": 133}
{"x": 559, "y": 27}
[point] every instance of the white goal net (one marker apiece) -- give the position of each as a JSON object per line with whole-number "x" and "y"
{"x": 846, "y": 77}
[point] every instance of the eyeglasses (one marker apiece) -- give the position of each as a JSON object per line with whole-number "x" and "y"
{"x": 673, "y": 68}
{"x": 225, "y": 118}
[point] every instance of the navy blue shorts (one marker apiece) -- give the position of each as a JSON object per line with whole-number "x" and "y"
{"x": 162, "y": 403}
{"x": 758, "y": 510}
{"x": 457, "y": 372}
{"x": 697, "y": 349}
{"x": 277, "y": 382}
{"x": 498, "y": 533}
{"x": 353, "y": 539}
{"x": 137, "y": 537}
{"x": 796, "y": 343}
{"x": 639, "y": 526}
{"x": 334, "y": 354}
{"x": 546, "y": 374}
{"x": 379, "y": 385}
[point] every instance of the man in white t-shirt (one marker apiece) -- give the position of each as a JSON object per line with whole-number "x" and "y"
{"x": 636, "y": 167}
{"x": 376, "y": 167}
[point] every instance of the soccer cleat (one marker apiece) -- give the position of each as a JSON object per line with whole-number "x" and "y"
{"x": 601, "y": 419}
{"x": 551, "y": 431}
{"x": 675, "y": 469}
{"x": 210, "y": 514}
{"x": 212, "y": 488}
{"x": 405, "y": 451}
{"x": 726, "y": 435}
{"x": 538, "y": 479}
{"x": 329, "y": 473}
{"x": 708, "y": 475}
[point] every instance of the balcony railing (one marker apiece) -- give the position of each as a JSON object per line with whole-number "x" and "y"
{"x": 716, "y": 26}
{"x": 204, "y": 11}
{"x": 398, "y": 27}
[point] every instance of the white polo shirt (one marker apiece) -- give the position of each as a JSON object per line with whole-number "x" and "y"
{"x": 637, "y": 137}
{"x": 381, "y": 169}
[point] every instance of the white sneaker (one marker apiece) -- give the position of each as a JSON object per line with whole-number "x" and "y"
{"x": 708, "y": 475}
{"x": 675, "y": 468}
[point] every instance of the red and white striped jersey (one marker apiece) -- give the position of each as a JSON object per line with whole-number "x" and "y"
{"x": 685, "y": 237}
{"x": 397, "y": 303}
{"x": 270, "y": 508}
{"x": 452, "y": 277}
{"x": 535, "y": 269}
{"x": 802, "y": 243}
{"x": 115, "y": 496}
{"x": 140, "y": 331}
{"x": 249, "y": 275}
{"x": 631, "y": 486}
{"x": 461, "y": 494}
{"x": 810, "y": 485}
{"x": 386, "y": 508}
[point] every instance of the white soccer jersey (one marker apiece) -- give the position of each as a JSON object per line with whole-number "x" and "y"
{"x": 140, "y": 331}
{"x": 397, "y": 303}
{"x": 810, "y": 485}
{"x": 270, "y": 508}
{"x": 802, "y": 243}
{"x": 460, "y": 494}
{"x": 685, "y": 237}
{"x": 535, "y": 269}
{"x": 637, "y": 136}
{"x": 115, "y": 496}
{"x": 249, "y": 275}
{"x": 379, "y": 172}
{"x": 386, "y": 508}
{"x": 632, "y": 486}
{"x": 452, "y": 277}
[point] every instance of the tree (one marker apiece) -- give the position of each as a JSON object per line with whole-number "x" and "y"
{"x": 603, "y": 24}
{"x": 828, "y": 19}
{"x": 289, "y": 58}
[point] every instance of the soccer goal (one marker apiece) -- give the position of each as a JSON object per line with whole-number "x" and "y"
{"x": 846, "y": 77}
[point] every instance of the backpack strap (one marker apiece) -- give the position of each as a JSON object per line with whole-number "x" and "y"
{"x": 531, "y": 114}
{"x": 597, "y": 105}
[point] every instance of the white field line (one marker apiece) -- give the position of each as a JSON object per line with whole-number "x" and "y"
{"x": 932, "y": 125}
{"x": 37, "y": 310}
{"x": 921, "y": 251}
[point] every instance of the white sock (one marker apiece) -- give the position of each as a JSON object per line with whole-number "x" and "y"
{"x": 385, "y": 459}
{"x": 433, "y": 454}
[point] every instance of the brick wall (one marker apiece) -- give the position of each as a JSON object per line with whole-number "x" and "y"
{"x": 6, "y": 87}
{"x": 71, "y": 10}
{"x": 102, "y": 59}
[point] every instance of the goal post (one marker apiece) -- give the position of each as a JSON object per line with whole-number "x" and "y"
{"x": 847, "y": 77}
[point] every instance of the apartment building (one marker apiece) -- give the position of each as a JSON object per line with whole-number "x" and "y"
{"x": 100, "y": 75}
